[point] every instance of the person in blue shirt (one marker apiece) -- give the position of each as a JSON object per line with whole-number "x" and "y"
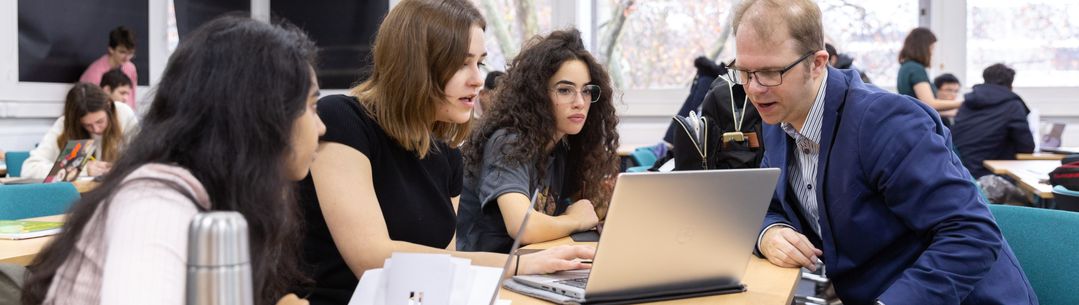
{"x": 869, "y": 185}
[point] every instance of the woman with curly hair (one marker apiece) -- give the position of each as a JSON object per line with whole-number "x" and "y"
{"x": 552, "y": 130}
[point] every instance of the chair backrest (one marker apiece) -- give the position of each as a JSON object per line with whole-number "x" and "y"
{"x": 1044, "y": 242}
{"x": 1066, "y": 199}
{"x": 35, "y": 200}
{"x": 14, "y": 160}
{"x": 644, "y": 156}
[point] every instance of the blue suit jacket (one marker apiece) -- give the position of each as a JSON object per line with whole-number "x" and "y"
{"x": 901, "y": 219}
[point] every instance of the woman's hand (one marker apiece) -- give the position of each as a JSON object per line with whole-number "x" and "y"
{"x": 97, "y": 168}
{"x": 556, "y": 259}
{"x": 585, "y": 213}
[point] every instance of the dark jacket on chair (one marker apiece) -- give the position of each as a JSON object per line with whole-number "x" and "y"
{"x": 991, "y": 125}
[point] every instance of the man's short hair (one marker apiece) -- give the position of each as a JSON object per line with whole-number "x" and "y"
{"x": 831, "y": 51}
{"x": 801, "y": 17}
{"x": 122, "y": 36}
{"x": 999, "y": 74}
{"x": 115, "y": 78}
{"x": 492, "y": 80}
{"x": 946, "y": 78}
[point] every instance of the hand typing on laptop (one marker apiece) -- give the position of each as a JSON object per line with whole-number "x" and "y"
{"x": 556, "y": 259}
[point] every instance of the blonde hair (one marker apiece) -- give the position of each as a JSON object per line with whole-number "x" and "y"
{"x": 419, "y": 47}
{"x": 802, "y": 19}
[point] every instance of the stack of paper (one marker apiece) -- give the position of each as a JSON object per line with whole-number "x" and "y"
{"x": 428, "y": 279}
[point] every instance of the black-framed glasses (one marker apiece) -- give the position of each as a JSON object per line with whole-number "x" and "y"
{"x": 567, "y": 93}
{"x": 764, "y": 78}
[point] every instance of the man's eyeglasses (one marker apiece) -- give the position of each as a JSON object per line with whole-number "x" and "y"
{"x": 764, "y": 78}
{"x": 567, "y": 93}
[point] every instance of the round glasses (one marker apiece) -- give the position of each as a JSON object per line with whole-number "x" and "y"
{"x": 567, "y": 94}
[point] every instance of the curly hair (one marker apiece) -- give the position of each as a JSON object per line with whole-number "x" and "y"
{"x": 523, "y": 107}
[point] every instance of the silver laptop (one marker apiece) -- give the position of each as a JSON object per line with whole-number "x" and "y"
{"x": 671, "y": 231}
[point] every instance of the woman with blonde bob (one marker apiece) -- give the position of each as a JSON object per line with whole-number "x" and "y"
{"x": 389, "y": 173}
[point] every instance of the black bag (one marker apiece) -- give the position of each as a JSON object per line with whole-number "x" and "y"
{"x": 1066, "y": 175}
{"x": 725, "y": 136}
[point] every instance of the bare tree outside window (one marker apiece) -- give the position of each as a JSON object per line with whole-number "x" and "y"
{"x": 651, "y": 44}
{"x": 871, "y": 32}
{"x": 1038, "y": 38}
{"x": 509, "y": 24}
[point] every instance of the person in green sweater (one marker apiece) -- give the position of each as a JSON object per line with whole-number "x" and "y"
{"x": 913, "y": 80}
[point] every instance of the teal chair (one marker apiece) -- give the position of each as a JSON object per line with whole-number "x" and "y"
{"x": 1044, "y": 241}
{"x": 35, "y": 200}
{"x": 1066, "y": 199}
{"x": 644, "y": 157}
{"x": 14, "y": 160}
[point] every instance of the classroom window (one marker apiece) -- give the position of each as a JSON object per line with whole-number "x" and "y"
{"x": 510, "y": 23}
{"x": 658, "y": 40}
{"x": 871, "y": 32}
{"x": 1038, "y": 38}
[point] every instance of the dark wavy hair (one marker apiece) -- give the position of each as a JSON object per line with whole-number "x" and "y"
{"x": 224, "y": 110}
{"x": 523, "y": 107}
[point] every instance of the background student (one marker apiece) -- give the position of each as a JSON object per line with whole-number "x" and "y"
{"x": 947, "y": 89}
{"x": 232, "y": 124}
{"x": 486, "y": 95}
{"x": 992, "y": 125}
{"x": 913, "y": 80}
{"x": 89, "y": 113}
{"x": 118, "y": 56}
{"x": 117, "y": 85}
{"x": 389, "y": 174}
{"x": 553, "y": 129}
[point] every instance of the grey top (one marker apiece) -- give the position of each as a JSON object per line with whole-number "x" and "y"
{"x": 480, "y": 226}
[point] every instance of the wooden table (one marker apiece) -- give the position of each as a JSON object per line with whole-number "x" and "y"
{"x": 84, "y": 186}
{"x": 765, "y": 284}
{"x": 22, "y": 252}
{"x": 1040, "y": 156}
{"x": 1028, "y": 173}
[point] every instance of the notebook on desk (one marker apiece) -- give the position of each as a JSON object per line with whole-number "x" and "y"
{"x": 661, "y": 241}
{"x": 23, "y": 229}
{"x": 67, "y": 167}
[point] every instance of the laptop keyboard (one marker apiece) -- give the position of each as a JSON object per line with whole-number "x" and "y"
{"x": 577, "y": 282}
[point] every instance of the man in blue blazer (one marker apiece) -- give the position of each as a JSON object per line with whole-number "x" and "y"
{"x": 869, "y": 185}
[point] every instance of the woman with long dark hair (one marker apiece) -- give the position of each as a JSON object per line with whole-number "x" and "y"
{"x": 552, "y": 129}
{"x": 89, "y": 113}
{"x": 389, "y": 174}
{"x": 231, "y": 127}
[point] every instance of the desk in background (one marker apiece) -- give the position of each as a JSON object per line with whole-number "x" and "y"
{"x": 765, "y": 284}
{"x": 1029, "y": 174}
{"x": 1040, "y": 156}
{"x": 22, "y": 252}
{"x": 84, "y": 186}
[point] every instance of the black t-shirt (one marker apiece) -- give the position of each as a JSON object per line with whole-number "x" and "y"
{"x": 414, "y": 195}
{"x": 480, "y": 226}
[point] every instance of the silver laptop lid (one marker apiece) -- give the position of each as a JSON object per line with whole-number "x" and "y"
{"x": 516, "y": 244}
{"x": 673, "y": 229}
